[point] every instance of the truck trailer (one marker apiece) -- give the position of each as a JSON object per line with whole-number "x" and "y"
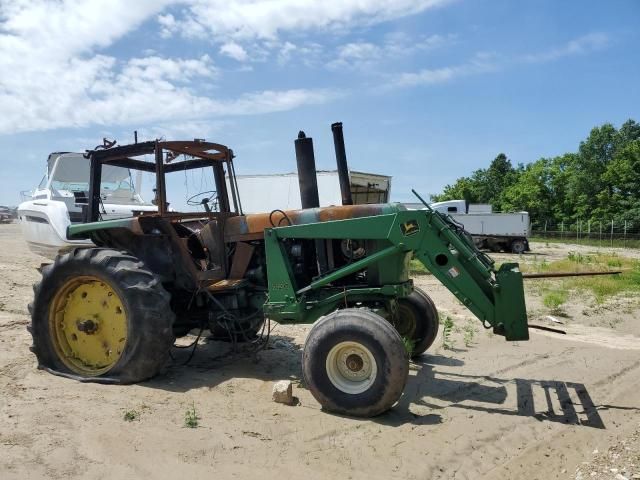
{"x": 493, "y": 231}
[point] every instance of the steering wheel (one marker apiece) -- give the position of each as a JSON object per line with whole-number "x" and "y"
{"x": 202, "y": 198}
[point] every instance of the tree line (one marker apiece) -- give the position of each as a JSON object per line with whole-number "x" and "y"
{"x": 599, "y": 181}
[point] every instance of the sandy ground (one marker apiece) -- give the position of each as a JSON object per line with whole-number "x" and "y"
{"x": 553, "y": 407}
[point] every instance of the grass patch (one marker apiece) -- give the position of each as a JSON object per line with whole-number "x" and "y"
{"x": 131, "y": 415}
{"x": 416, "y": 267}
{"x": 447, "y": 329}
{"x": 602, "y": 287}
{"x": 409, "y": 345}
{"x": 554, "y": 300}
{"x": 191, "y": 418}
{"x": 469, "y": 333}
{"x": 595, "y": 242}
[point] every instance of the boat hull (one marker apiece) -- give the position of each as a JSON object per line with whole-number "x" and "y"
{"x": 44, "y": 226}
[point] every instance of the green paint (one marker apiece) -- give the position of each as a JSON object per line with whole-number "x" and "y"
{"x": 84, "y": 230}
{"x": 494, "y": 297}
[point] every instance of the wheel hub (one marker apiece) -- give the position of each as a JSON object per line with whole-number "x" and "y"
{"x": 405, "y": 322}
{"x": 88, "y": 325}
{"x": 354, "y": 363}
{"x": 351, "y": 367}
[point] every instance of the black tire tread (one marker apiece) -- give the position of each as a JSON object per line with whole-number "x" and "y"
{"x": 147, "y": 303}
{"x": 432, "y": 323}
{"x": 394, "y": 370}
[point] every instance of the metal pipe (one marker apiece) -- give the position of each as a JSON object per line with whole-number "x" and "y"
{"x": 341, "y": 160}
{"x": 351, "y": 268}
{"x": 161, "y": 192}
{"x": 567, "y": 274}
{"x": 309, "y": 196}
{"x": 307, "y": 179}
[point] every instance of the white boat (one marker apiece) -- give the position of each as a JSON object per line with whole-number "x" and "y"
{"x": 58, "y": 202}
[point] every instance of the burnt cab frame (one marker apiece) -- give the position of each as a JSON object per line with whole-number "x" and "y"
{"x": 199, "y": 154}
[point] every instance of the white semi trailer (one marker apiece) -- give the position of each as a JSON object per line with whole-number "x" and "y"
{"x": 264, "y": 193}
{"x": 493, "y": 231}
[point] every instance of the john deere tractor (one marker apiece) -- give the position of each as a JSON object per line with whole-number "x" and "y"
{"x": 112, "y": 312}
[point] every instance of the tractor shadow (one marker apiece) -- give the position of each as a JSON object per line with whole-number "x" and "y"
{"x": 215, "y": 362}
{"x": 433, "y": 379}
{"x": 433, "y": 384}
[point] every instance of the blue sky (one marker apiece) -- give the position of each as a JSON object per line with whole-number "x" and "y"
{"x": 428, "y": 90}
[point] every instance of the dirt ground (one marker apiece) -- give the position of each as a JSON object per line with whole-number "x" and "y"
{"x": 558, "y": 406}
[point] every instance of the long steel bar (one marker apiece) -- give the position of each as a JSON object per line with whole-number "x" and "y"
{"x": 568, "y": 274}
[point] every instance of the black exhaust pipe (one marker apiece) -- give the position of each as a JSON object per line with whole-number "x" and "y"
{"x": 341, "y": 160}
{"x": 307, "y": 179}
{"x": 309, "y": 196}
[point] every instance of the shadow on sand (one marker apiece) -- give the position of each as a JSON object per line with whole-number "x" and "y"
{"x": 432, "y": 378}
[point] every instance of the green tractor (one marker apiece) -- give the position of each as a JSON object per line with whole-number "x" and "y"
{"x": 112, "y": 313}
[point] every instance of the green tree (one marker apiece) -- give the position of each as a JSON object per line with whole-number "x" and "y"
{"x": 484, "y": 185}
{"x": 621, "y": 199}
{"x": 530, "y": 192}
{"x": 601, "y": 181}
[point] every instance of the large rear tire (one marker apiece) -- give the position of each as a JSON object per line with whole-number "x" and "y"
{"x": 101, "y": 314}
{"x": 354, "y": 363}
{"x": 418, "y": 321}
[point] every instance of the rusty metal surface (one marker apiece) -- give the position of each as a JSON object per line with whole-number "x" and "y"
{"x": 251, "y": 227}
{"x": 225, "y": 284}
{"x": 241, "y": 259}
{"x": 198, "y": 149}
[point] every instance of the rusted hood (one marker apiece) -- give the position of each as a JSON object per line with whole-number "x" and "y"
{"x": 251, "y": 227}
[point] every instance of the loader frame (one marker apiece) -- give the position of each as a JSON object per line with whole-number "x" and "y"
{"x": 495, "y": 297}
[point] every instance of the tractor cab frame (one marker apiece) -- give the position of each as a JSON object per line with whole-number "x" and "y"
{"x": 198, "y": 154}
{"x": 185, "y": 248}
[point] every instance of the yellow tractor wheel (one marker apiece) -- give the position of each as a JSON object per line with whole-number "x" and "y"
{"x": 99, "y": 314}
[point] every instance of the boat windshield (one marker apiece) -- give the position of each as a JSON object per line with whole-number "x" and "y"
{"x": 71, "y": 173}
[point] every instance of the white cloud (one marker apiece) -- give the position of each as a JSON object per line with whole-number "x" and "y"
{"x": 235, "y": 51}
{"x": 167, "y": 25}
{"x": 362, "y": 55}
{"x": 250, "y": 30}
{"x": 482, "y": 62}
{"x": 247, "y": 20}
{"x": 285, "y": 52}
{"x": 54, "y": 75}
{"x": 592, "y": 42}
{"x": 75, "y": 26}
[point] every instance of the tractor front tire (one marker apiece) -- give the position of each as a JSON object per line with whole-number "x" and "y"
{"x": 101, "y": 315}
{"x": 355, "y": 363}
{"x": 418, "y": 321}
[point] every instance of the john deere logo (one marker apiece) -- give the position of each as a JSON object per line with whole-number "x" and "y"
{"x": 409, "y": 228}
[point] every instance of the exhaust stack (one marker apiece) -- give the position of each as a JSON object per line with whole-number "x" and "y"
{"x": 307, "y": 179}
{"x": 341, "y": 160}
{"x": 309, "y": 196}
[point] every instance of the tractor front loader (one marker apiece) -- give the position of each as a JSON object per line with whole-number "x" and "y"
{"x": 111, "y": 313}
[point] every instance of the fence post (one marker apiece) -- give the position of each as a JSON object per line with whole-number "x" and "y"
{"x": 612, "y": 233}
{"x": 589, "y": 229}
{"x": 562, "y": 230}
{"x": 545, "y": 229}
{"x": 578, "y": 226}
{"x": 600, "y": 222}
{"x": 624, "y": 242}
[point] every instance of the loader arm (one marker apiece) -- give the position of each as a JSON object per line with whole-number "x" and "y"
{"x": 495, "y": 297}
